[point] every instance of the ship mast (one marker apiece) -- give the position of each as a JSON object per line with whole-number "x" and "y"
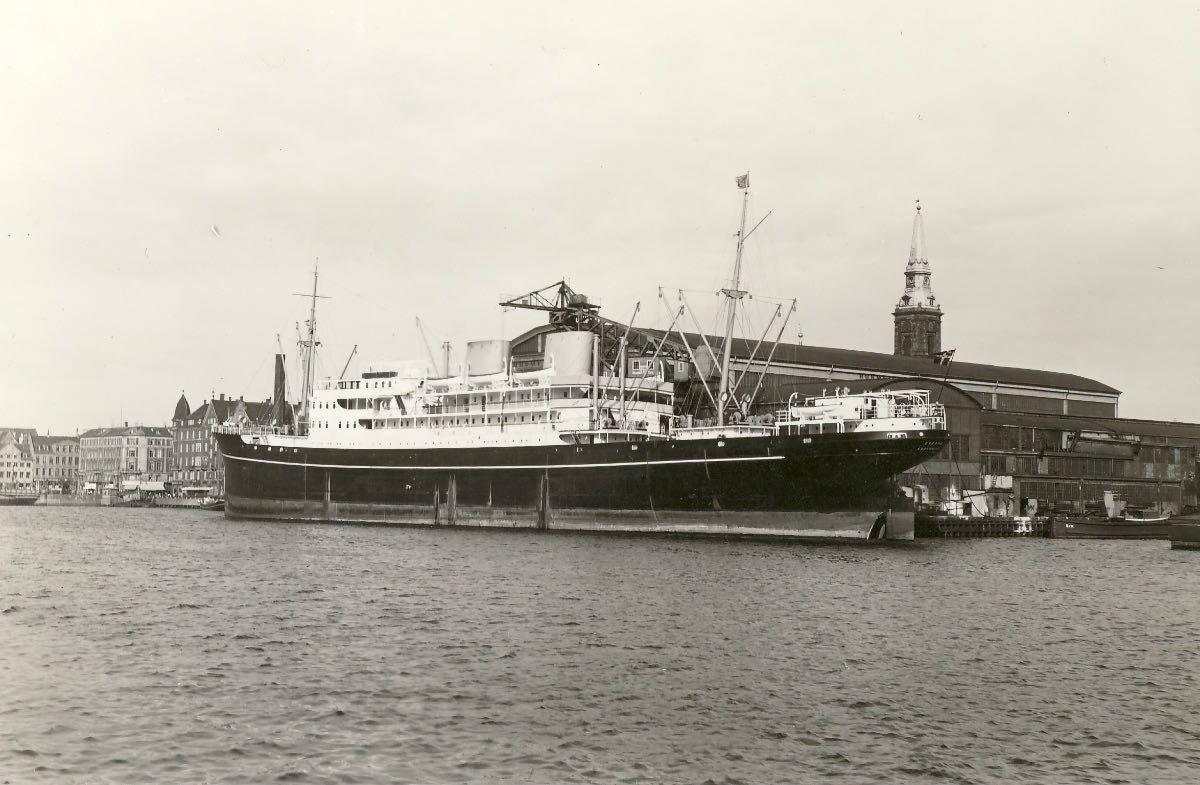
{"x": 734, "y": 293}
{"x": 309, "y": 348}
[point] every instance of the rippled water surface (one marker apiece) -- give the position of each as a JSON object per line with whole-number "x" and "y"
{"x": 172, "y": 646}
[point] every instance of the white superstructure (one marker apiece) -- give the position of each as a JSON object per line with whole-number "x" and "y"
{"x": 400, "y": 405}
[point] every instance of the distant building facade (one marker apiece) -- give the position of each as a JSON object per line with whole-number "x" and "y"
{"x": 56, "y": 463}
{"x": 197, "y": 464}
{"x": 138, "y": 452}
{"x": 16, "y": 460}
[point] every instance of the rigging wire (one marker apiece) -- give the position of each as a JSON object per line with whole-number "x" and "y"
{"x": 254, "y": 376}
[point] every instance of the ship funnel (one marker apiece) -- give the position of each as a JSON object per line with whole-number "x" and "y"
{"x": 569, "y": 353}
{"x": 485, "y": 358}
{"x": 281, "y": 410}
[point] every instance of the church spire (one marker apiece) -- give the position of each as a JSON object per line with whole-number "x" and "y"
{"x": 182, "y": 408}
{"x": 918, "y": 317}
{"x": 917, "y": 291}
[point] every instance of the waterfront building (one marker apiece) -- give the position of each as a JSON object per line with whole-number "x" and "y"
{"x": 197, "y": 466}
{"x": 16, "y": 460}
{"x": 127, "y": 454}
{"x": 56, "y": 463}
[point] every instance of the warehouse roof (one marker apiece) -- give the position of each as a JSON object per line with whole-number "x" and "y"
{"x": 859, "y": 361}
{"x": 898, "y": 365}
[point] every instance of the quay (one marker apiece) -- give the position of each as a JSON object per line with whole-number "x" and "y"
{"x": 934, "y": 526}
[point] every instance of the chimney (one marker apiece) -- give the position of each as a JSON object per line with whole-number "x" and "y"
{"x": 222, "y": 396}
{"x": 278, "y": 396}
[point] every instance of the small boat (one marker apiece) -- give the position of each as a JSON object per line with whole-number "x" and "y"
{"x": 15, "y": 498}
{"x": 1112, "y": 529}
{"x": 191, "y": 503}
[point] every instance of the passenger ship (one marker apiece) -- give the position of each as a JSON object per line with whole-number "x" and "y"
{"x": 579, "y": 444}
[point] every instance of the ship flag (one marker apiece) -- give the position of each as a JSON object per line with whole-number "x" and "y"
{"x": 743, "y": 181}
{"x": 944, "y": 358}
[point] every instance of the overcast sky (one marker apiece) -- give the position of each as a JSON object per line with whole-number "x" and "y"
{"x": 169, "y": 173}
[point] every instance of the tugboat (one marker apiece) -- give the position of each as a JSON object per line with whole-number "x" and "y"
{"x": 580, "y": 443}
{"x": 1113, "y": 522}
{"x": 1118, "y": 529}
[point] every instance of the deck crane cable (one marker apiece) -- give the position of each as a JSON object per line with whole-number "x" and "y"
{"x": 692, "y": 355}
{"x": 614, "y": 369}
{"x": 654, "y": 359}
{"x": 754, "y": 354}
{"x": 771, "y": 355}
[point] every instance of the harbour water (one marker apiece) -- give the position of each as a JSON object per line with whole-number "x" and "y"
{"x": 144, "y": 646}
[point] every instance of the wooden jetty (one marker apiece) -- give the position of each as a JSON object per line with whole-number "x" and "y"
{"x": 963, "y": 526}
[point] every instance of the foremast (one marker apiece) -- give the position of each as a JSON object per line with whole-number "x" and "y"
{"x": 309, "y": 347}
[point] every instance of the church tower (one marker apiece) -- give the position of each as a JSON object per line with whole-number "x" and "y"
{"x": 918, "y": 315}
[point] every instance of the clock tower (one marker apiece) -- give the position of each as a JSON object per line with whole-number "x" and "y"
{"x": 918, "y": 315}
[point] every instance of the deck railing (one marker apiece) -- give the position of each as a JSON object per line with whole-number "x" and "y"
{"x": 935, "y": 412}
{"x": 250, "y": 430}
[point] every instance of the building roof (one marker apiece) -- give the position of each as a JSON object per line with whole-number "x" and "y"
{"x": 182, "y": 408}
{"x": 898, "y": 365}
{"x": 46, "y": 441}
{"x": 20, "y": 439}
{"x": 133, "y": 430}
{"x": 876, "y": 363}
{"x": 224, "y": 408}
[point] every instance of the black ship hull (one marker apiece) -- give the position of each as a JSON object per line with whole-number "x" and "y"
{"x": 831, "y": 486}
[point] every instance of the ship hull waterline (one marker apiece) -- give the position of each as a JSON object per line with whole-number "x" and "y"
{"x": 820, "y": 487}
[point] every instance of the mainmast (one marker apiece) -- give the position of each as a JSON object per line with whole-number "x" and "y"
{"x": 734, "y": 293}
{"x": 309, "y": 348}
